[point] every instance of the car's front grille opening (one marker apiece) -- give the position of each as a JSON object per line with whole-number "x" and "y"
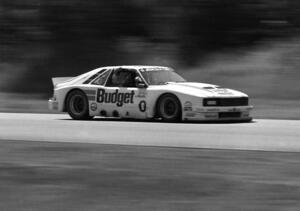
{"x": 229, "y": 115}
{"x": 234, "y": 101}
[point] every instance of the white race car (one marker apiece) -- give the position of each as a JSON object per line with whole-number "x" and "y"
{"x": 146, "y": 92}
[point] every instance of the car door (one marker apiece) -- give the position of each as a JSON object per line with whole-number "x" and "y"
{"x": 123, "y": 97}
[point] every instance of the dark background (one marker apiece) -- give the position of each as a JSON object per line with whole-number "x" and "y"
{"x": 247, "y": 45}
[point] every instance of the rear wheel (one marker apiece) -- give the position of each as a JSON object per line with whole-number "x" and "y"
{"x": 78, "y": 105}
{"x": 169, "y": 108}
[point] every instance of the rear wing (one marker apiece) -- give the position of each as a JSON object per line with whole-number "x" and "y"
{"x": 59, "y": 80}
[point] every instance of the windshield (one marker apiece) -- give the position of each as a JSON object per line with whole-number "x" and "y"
{"x": 159, "y": 76}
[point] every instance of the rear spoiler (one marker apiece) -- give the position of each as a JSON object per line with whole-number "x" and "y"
{"x": 59, "y": 80}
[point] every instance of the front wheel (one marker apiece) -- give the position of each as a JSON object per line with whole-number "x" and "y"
{"x": 169, "y": 108}
{"x": 78, "y": 105}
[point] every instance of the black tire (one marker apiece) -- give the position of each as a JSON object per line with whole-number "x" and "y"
{"x": 78, "y": 106}
{"x": 169, "y": 108}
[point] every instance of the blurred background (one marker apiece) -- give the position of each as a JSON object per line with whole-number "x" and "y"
{"x": 250, "y": 45}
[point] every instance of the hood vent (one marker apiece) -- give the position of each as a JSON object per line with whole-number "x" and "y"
{"x": 209, "y": 87}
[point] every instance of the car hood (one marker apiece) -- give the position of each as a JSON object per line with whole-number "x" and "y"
{"x": 203, "y": 90}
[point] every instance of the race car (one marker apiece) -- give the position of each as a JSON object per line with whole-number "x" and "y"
{"x": 146, "y": 92}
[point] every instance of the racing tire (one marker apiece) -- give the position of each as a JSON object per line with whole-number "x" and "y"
{"x": 169, "y": 108}
{"x": 78, "y": 106}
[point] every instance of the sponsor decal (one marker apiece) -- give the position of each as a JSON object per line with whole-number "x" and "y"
{"x": 141, "y": 96}
{"x": 211, "y": 115}
{"x": 187, "y": 106}
{"x": 200, "y": 110}
{"x": 190, "y": 114}
{"x": 91, "y": 98}
{"x": 213, "y": 110}
{"x": 222, "y": 91}
{"x": 119, "y": 98}
{"x": 90, "y": 92}
{"x": 141, "y": 93}
{"x": 94, "y": 106}
{"x": 142, "y": 106}
{"x": 234, "y": 109}
{"x": 153, "y": 69}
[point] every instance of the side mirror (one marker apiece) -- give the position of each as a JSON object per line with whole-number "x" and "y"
{"x": 139, "y": 83}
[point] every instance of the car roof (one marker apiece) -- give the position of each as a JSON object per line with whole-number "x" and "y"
{"x": 134, "y": 67}
{"x": 137, "y": 67}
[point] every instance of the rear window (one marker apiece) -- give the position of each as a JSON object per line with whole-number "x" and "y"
{"x": 101, "y": 79}
{"x": 94, "y": 76}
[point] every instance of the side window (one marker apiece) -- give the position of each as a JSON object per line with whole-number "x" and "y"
{"x": 122, "y": 78}
{"x": 101, "y": 79}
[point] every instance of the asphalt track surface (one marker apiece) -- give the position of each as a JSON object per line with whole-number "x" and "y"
{"x": 50, "y": 162}
{"x": 261, "y": 134}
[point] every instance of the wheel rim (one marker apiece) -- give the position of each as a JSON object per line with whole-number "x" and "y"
{"x": 77, "y": 104}
{"x": 170, "y": 108}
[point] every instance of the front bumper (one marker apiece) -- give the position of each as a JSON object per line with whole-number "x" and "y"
{"x": 239, "y": 113}
{"x": 53, "y": 104}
